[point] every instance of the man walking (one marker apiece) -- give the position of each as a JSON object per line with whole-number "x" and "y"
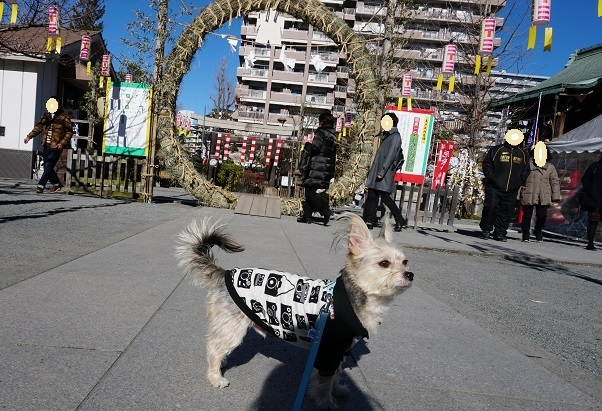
{"x": 56, "y": 129}
{"x": 506, "y": 169}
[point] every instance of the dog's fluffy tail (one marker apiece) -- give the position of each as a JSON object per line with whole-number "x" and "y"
{"x": 194, "y": 250}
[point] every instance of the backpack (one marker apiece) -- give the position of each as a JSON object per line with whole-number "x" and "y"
{"x": 399, "y": 160}
{"x": 305, "y": 160}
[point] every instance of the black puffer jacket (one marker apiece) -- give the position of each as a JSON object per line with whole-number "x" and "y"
{"x": 591, "y": 193}
{"x": 323, "y": 156}
{"x": 506, "y": 167}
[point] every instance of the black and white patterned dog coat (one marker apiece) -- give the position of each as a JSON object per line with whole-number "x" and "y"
{"x": 287, "y": 306}
{"x": 282, "y": 304}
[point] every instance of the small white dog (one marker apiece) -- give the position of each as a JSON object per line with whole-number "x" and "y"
{"x": 287, "y": 305}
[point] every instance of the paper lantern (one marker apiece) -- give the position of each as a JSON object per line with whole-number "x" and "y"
{"x": 541, "y": 17}
{"x": 487, "y": 37}
{"x": 449, "y": 60}
{"x": 406, "y": 88}
{"x": 106, "y": 63}
{"x": 541, "y": 12}
{"x": 128, "y": 78}
{"x": 84, "y": 50}
{"x": 53, "y": 17}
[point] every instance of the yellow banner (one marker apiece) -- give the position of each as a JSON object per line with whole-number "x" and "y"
{"x": 477, "y": 65}
{"x": 439, "y": 82}
{"x": 452, "y": 82}
{"x": 14, "y": 12}
{"x": 399, "y": 103}
{"x": 49, "y": 45}
{"x": 2, "y": 10}
{"x": 599, "y": 8}
{"x": 89, "y": 68}
{"x": 409, "y": 104}
{"x": 532, "y": 37}
{"x": 489, "y": 65}
{"x": 547, "y": 42}
{"x": 59, "y": 43}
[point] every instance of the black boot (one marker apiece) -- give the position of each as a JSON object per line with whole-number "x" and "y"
{"x": 591, "y": 234}
{"x": 398, "y": 226}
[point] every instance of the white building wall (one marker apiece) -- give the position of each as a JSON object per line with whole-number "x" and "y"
{"x": 25, "y": 86}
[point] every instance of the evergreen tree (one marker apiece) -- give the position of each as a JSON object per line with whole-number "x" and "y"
{"x": 87, "y": 15}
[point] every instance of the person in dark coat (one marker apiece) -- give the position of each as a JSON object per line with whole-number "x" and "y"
{"x": 540, "y": 191}
{"x": 506, "y": 169}
{"x": 321, "y": 171}
{"x": 591, "y": 199}
{"x": 381, "y": 176}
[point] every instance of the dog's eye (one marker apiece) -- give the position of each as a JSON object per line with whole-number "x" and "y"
{"x": 405, "y": 262}
{"x": 385, "y": 263}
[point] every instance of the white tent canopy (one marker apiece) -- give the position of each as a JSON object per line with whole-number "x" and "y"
{"x": 587, "y": 138}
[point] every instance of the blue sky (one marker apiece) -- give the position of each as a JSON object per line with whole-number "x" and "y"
{"x": 575, "y": 25}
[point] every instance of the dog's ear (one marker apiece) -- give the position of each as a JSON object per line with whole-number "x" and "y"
{"x": 386, "y": 231}
{"x": 359, "y": 236}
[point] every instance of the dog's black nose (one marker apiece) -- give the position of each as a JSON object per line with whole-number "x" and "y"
{"x": 409, "y": 275}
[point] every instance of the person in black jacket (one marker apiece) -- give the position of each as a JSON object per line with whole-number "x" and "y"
{"x": 381, "y": 176}
{"x": 321, "y": 171}
{"x": 506, "y": 169}
{"x": 591, "y": 199}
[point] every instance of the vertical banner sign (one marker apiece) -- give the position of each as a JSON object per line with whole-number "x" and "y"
{"x": 449, "y": 60}
{"x": 243, "y": 150}
{"x": 445, "y": 151}
{"x": 127, "y": 122}
{"x": 252, "y": 152}
{"x": 416, "y": 129}
{"x": 278, "y": 147}
{"x": 106, "y": 62}
{"x": 53, "y": 20}
{"x": 339, "y": 124}
{"x": 268, "y": 155}
{"x": 540, "y": 17}
{"x": 348, "y": 119}
{"x": 84, "y": 49}
{"x": 227, "y": 147}
{"x": 486, "y": 44}
{"x": 218, "y": 146}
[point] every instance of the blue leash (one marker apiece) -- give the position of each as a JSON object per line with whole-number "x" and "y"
{"x": 320, "y": 323}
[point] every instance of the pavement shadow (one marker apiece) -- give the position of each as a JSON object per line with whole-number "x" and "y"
{"x": 280, "y": 387}
{"x": 55, "y": 211}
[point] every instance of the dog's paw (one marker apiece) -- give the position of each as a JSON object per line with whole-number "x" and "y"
{"x": 218, "y": 381}
{"x": 328, "y": 403}
{"x": 340, "y": 390}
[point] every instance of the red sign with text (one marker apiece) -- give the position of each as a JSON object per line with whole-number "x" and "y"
{"x": 445, "y": 151}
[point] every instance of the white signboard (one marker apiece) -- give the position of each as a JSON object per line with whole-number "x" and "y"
{"x": 416, "y": 129}
{"x": 127, "y": 122}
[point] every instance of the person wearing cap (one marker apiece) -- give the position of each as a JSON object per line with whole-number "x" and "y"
{"x": 56, "y": 129}
{"x": 506, "y": 169}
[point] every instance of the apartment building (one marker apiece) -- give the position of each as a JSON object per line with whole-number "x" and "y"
{"x": 290, "y": 71}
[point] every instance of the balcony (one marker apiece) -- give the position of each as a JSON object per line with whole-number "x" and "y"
{"x": 370, "y": 10}
{"x": 319, "y": 101}
{"x": 251, "y": 95}
{"x": 327, "y": 57}
{"x": 252, "y": 74}
{"x": 285, "y": 99}
{"x": 322, "y": 79}
{"x": 295, "y": 35}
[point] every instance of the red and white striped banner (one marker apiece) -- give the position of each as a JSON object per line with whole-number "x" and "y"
{"x": 227, "y": 147}
{"x": 106, "y": 63}
{"x": 278, "y": 147}
{"x": 53, "y": 20}
{"x": 243, "y": 150}
{"x": 268, "y": 154}
{"x": 252, "y": 152}
{"x": 449, "y": 59}
{"x": 487, "y": 37}
{"x": 218, "y": 146}
{"x": 84, "y": 50}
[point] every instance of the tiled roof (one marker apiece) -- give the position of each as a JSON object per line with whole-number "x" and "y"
{"x": 583, "y": 71}
{"x": 31, "y": 40}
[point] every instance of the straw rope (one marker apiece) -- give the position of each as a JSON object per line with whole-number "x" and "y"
{"x": 177, "y": 64}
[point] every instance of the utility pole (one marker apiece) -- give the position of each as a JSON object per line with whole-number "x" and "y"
{"x": 151, "y": 168}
